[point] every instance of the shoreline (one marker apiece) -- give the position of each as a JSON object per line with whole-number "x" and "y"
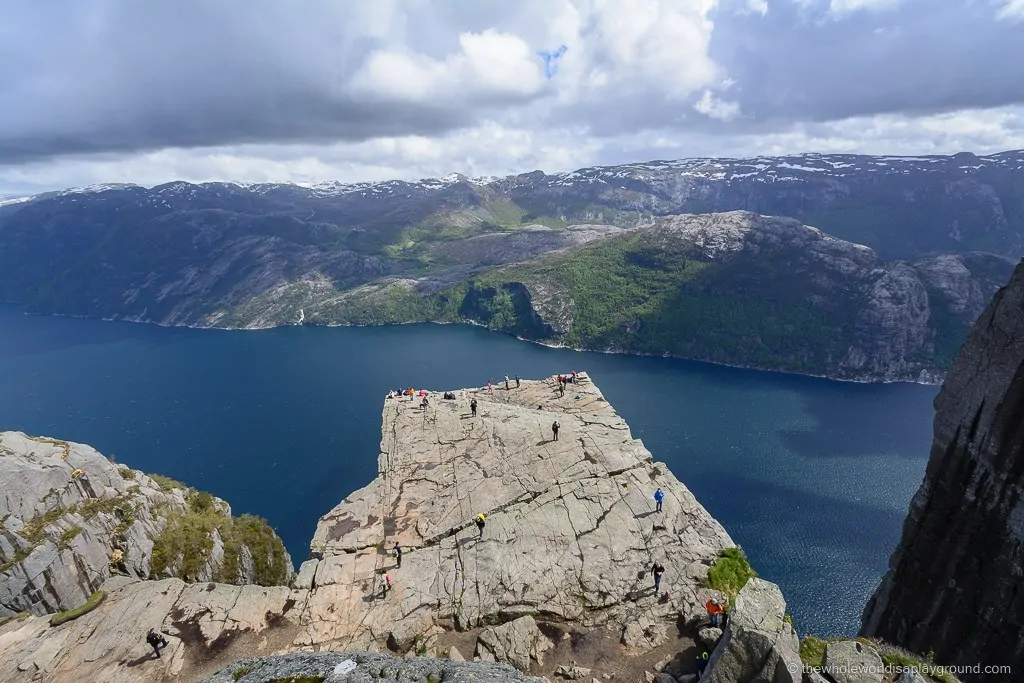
{"x": 551, "y": 345}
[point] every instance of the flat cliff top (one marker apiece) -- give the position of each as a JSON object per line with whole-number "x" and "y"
{"x": 570, "y": 538}
{"x": 571, "y": 529}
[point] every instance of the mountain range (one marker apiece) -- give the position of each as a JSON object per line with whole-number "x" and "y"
{"x": 712, "y": 259}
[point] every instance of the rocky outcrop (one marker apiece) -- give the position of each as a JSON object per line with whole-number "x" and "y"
{"x": 849, "y": 661}
{"x": 759, "y": 644}
{"x": 571, "y": 531}
{"x": 953, "y": 583}
{"x": 364, "y": 667}
{"x": 569, "y": 540}
{"x": 71, "y": 518}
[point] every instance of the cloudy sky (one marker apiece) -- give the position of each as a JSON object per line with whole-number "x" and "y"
{"x": 258, "y": 90}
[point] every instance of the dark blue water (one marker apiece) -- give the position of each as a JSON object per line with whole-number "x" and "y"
{"x": 811, "y": 477}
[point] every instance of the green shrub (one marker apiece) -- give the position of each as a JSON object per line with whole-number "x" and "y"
{"x": 126, "y": 473}
{"x": 20, "y": 616}
{"x": 92, "y": 603}
{"x": 69, "y": 535}
{"x": 812, "y": 650}
{"x": 240, "y": 671}
{"x": 730, "y": 573}
{"x": 35, "y": 528}
{"x": 200, "y": 502}
{"x": 166, "y": 484}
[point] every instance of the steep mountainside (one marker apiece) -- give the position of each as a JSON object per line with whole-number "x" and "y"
{"x": 734, "y": 288}
{"x": 249, "y": 255}
{"x": 955, "y": 580}
{"x": 70, "y": 519}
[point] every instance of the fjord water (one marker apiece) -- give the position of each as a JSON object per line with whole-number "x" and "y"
{"x": 812, "y": 477}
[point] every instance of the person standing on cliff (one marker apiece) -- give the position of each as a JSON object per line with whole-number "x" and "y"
{"x": 659, "y": 496}
{"x": 156, "y": 641}
{"x": 554, "y": 429}
{"x": 480, "y": 522}
{"x": 657, "y": 570}
{"x": 385, "y": 584}
{"x": 397, "y": 552}
{"x": 506, "y": 383}
{"x": 714, "y": 612}
{"x": 517, "y": 381}
{"x": 472, "y": 407}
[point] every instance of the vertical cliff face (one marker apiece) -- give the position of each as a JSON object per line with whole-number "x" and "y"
{"x": 954, "y": 584}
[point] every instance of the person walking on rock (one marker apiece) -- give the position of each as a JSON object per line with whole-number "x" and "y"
{"x": 397, "y": 552}
{"x": 472, "y": 407}
{"x": 659, "y": 496}
{"x": 657, "y": 570}
{"x": 385, "y": 584}
{"x": 561, "y": 389}
{"x": 517, "y": 381}
{"x": 480, "y": 522}
{"x": 714, "y": 612}
{"x": 554, "y": 429}
{"x": 156, "y": 641}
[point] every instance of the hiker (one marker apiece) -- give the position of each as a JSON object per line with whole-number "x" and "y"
{"x": 506, "y": 382}
{"x": 412, "y": 395}
{"x": 385, "y": 584}
{"x": 561, "y": 389}
{"x": 397, "y": 552}
{"x": 702, "y": 662}
{"x": 554, "y": 429}
{"x": 517, "y": 381}
{"x": 559, "y": 378}
{"x": 480, "y": 521}
{"x": 574, "y": 377}
{"x": 490, "y": 387}
{"x": 156, "y": 641}
{"x": 657, "y": 570}
{"x": 472, "y": 407}
{"x": 714, "y": 612}
{"x": 659, "y": 496}
{"x": 424, "y": 403}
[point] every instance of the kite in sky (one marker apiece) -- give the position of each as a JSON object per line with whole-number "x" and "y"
{"x": 551, "y": 60}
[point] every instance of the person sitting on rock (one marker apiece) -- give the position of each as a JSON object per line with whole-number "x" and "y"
{"x": 480, "y": 522}
{"x": 714, "y": 612}
{"x": 156, "y": 640}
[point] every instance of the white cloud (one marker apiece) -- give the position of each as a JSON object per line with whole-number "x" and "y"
{"x": 1012, "y": 9}
{"x": 757, "y": 7}
{"x": 487, "y": 64}
{"x": 714, "y": 108}
{"x": 848, "y": 6}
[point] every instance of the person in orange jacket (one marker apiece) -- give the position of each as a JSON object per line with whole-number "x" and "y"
{"x": 714, "y": 612}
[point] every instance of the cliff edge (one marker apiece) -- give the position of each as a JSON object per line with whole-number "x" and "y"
{"x": 954, "y": 580}
{"x": 70, "y": 519}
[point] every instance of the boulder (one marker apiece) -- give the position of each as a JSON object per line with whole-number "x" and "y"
{"x": 911, "y": 676}
{"x": 758, "y": 643}
{"x": 644, "y": 633}
{"x": 455, "y": 655}
{"x": 709, "y": 635}
{"x": 664, "y": 678}
{"x": 517, "y": 643}
{"x": 572, "y": 672}
{"x": 848, "y": 661}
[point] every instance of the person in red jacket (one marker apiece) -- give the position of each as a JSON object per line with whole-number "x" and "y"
{"x": 714, "y": 612}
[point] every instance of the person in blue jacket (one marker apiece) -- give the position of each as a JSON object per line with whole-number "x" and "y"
{"x": 659, "y": 496}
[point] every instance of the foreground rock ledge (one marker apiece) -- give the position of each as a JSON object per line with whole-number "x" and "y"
{"x": 570, "y": 538}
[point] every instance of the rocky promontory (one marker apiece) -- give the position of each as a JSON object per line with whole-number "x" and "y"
{"x": 559, "y": 582}
{"x": 954, "y": 581}
{"x": 70, "y": 519}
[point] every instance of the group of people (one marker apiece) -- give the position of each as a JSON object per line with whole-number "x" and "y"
{"x": 563, "y": 380}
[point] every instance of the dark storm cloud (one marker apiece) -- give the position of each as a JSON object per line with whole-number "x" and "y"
{"x": 104, "y": 76}
{"x": 922, "y": 56}
{"x": 123, "y": 76}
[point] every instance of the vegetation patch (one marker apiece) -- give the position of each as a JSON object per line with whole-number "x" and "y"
{"x": 126, "y": 473}
{"x": 299, "y": 679}
{"x": 20, "y": 616}
{"x": 186, "y": 541}
{"x": 69, "y": 535}
{"x": 166, "y": 484}
{"x": 898, "y": 657}
{"x": 730, "y": 573}
{"x": 812, "y": 650}
{"x": 19, "y": 555}
{"x": 240, "y": 671}
{"x": 35, "y": 528}
{"x": 92, "y": 603}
